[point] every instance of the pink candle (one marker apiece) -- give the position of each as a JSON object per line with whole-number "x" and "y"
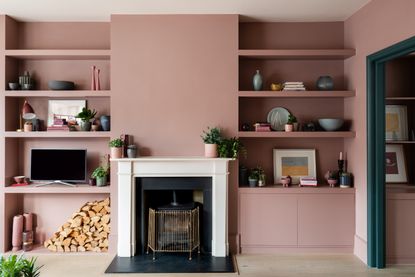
{"x": 341, "y": 156}
{"x": 17, "y": 232}
{"x": 28, "y": 222}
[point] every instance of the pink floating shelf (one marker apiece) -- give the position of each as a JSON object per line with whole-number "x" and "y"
{"x": 57, "y": 134}
{"x": 83, "y": 188}
{"x": 297, "y": 54}
{"x": 296, "y": 189}
{"x": 347, "y": 134}
{"x": 60, "y": 54}
{"x": 58, "y": 93}
{"x": 298, "y": 94}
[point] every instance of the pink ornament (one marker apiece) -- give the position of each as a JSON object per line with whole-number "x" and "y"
{"x": 17, "y": 233}
{"x": 93, "y": 87}
{"x": 97, "y": 81}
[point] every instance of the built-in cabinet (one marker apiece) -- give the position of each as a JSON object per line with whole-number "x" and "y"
{"x": 49, "y": 51}
{"x": 272, "y": 218}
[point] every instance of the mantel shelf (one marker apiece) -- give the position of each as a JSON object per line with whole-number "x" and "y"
{"x": 58, "y": 93}
{"x": 57, "y": 134}
{"x": 58, "y": 189}
{"x": 59, "y": 54}
{"x": 297, "y": 94}
{"x": 297, "y": 54}
{"x": 340, "y": 134}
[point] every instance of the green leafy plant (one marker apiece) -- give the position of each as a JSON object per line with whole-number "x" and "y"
{"x": 14, "y": 266}
{"x": 116, "y": 143}
{"x": 231, "y": 148}
{"x": 100, "y": 172}
{"x": 256, "y": 173}
{"x": 212, "y": 136}
{"x": 333, "y": 174}
{"x": 86, "y": 115}
{"x": 291, "y": 119}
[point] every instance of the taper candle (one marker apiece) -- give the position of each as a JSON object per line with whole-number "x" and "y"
{"x": 341, "y": 156}
{"x": 28, "y": 222}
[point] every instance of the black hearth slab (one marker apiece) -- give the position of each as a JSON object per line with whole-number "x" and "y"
{"x": 171, "y": 263}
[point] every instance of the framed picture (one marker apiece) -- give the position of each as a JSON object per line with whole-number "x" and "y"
{"x": 395, "y": 166}
{"x": 396, "y": 122}
{"x": 67, "y": 110}
{"x": 294, "y": 162}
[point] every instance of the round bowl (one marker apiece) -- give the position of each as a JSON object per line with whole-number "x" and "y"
{"x": 27, "y": 86}
{"x": 331, "y": 124}
{"x": 14, "y": 86}
{"x": 19, "y": 179}
{"x": 61, "y": 85}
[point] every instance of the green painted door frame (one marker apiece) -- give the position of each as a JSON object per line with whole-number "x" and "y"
{"x": 376, "y": 195}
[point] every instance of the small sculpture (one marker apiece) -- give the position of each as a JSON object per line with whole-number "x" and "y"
{"x": 286, "y": 181}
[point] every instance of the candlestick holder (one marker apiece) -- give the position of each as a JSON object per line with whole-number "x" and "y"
{"x": 340, "y": 163}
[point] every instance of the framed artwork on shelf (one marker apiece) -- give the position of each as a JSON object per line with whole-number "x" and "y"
{"x": 396, "y": 122}
{"x": 294, "y": 162}
{"x": 64, "y": 110}
{"x": 395, "y": 165}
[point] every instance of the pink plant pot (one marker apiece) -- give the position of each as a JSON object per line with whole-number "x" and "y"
{"x": 332, "y": 182}
{"x": 289, "y": 127}
{"x": 211, "y": 150}
{"x": 116, "y": 152}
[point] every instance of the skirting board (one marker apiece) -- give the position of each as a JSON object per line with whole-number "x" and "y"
{"x": 295, "y": 250}
{"x": 402, "y": 260}
{"x": 360, "y": 248}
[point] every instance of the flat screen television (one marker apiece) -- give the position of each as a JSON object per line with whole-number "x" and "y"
{"x": 64, "y": 166}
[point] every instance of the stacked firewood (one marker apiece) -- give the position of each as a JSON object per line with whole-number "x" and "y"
{"x": 87, "y": 230}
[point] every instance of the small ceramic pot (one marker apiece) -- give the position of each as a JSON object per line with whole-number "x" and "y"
{"x": 94, "y": 127}
{"x": 28, "y": 126}
{"x": 211, "y": 150}
{"x": 131, "y": 151}
{"x": 101, "y": 181}
{"x": 296, "y": 126}
{"x": 92, "y": 181}
{"x": 325, "y": 83}
{"x": 243, "y": 176}
{"x": 285, "y": 181}
{"x": 332, "y": 182}
{"x": 85, "y": 126}
{"x": 289, "y": 127}
{"x": 116, "y": 152}
{"x": 253, "y": 182}
{"x": 346, "y": 180}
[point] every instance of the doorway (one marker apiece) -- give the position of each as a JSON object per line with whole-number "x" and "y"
{"x": 376, "y": 120}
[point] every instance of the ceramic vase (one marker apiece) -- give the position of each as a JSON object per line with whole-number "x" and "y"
{"x": 97, "y": 81}
{"x": 116, "y": 153}
{"x": 243, "y": 176}
{"x": 85, "y": 126}
{"x": 253, "y": 182}
{"x": 17, "y": 233}
{"x": 325, "y": 83}
{"x": 132, "y": 151}
{"x": 289, "y": 127}
{"x": 105, "y": 122}
{"x": 211, "y": 150}
{"x": 28, "y": 127}
{"x": 257, "y": 81}
{"x": 101, "y": 181}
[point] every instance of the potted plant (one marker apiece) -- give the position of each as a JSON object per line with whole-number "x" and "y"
{"x": 212, "y": 137}
{"x": 289, "y": 127}
{"x": 116, "y": 148}
{"x": 332, "y": 178}
{"x": 253, "y": 178}
{"x": 18, "y": 266}
{"x": 86, "y": 116}
{"x": 261, "y": 177}
{"x": 230, "y": 148}
{"x": 100, "y": 174}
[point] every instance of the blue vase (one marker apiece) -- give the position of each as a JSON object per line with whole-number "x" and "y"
{"x": 325, "y": 83}
{"x": 257, "y": 81}
{"x": 105, "y": 122}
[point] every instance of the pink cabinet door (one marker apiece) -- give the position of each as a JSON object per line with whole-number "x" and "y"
{"x": 326, "y": 220}
{"x": 400, "y": 230}
{"x": 268, "y": 219}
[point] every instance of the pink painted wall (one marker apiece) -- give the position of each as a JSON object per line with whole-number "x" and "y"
{"x": 171, "y": 77}
{"x": 379, "y": 24}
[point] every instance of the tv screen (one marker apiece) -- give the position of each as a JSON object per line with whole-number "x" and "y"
{"x": 68, "y": 165}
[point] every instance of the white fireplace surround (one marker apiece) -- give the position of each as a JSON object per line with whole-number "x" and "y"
{"x": 129, "y": 169}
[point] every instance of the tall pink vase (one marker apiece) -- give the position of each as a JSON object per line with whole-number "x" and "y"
{"x": 211, "y": 150}
{"x": 97, "y": 81}
{"x": 93, "y": 87}
{"x": 17, "y": 233}
{"x": 28, "y": 222}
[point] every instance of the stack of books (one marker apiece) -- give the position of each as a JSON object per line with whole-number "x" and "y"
{"x": 293, "y": 86}
{"x": 308, "y": 181}
{"x": 62, "y": 128}
{"x": 262, "y": 127}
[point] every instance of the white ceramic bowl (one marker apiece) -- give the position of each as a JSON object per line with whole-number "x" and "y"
{"x": 331, "y": 124}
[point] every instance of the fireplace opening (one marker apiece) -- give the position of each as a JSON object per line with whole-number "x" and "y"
{"x": 172, "y": 195}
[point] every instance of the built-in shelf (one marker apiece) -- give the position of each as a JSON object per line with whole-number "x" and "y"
{"x": 61, "y": 189}
{"x": 298, "y": 94}
{"x": 340, "y": 134}
{"x": 399, "y": 98}
{"x": 297, "y": 54}
{"x": 39, "y": 249}
{"x": 57, "y": 134}
{"x": 400, "y": 142}
{"x": 59, "y": 54}
{"x": 295, "y": 189}
{"x": 58, "y": 93}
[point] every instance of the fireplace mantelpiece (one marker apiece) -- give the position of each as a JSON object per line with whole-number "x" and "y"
{"x": 129, "y": 169}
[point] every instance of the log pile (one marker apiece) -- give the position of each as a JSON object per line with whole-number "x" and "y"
{"x": 87, "y": 230}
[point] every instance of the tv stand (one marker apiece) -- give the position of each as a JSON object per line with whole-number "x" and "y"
{"x": 56, "y": 182}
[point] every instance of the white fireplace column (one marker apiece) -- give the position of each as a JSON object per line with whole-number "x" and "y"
{"x": 129, "y": 169}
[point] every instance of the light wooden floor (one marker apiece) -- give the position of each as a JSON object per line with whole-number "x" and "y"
{"x": 249, "y": 265}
